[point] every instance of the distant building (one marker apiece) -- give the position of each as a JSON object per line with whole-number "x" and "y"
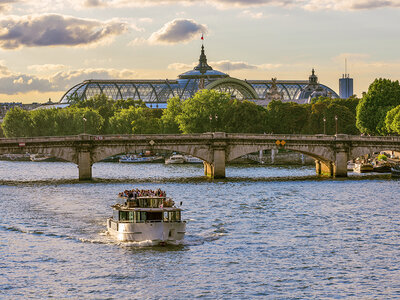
{"x": 6, "y": 106}
{"x": 346, "y": 86}
{"x": 155, "y": 93}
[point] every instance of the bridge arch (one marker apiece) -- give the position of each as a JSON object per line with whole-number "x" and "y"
{"x": 102, "y": 153}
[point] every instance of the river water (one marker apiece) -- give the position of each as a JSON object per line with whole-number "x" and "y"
{"x": 265, "y": 232}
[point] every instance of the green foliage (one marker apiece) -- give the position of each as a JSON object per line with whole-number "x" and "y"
{"x": 246, "y": 117}
{"x": 17, "y": 123}
{"x": 43, "y": 122}
{"x": 351, "y": 103}
{"x": 1, "y": 132}
{"x": 204, "y": 112}
{"x": 210, "y": 110}
{"x": 169, "y": 118}
{"x": 70, "y": 121}
{"x": 287, "y": 117}
{"x": 102, "y": 104}
{"x": 392, "y": 120}
{"x": 139, "y": 120}
{"x": 124, "y": 104}
{"x": 382, "y": 157}
{"x": 346, "y": 121}
{"x": 382, "y": 96}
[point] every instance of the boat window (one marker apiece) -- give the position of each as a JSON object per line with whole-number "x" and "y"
{"x": 165, "y": 216}
{"x": 124, "y": 215}
{"x": 130, "y": 216}
{"x": 154, "y": 216}
{"x": 171, "y": 216}
{"x": 141, "y": 216}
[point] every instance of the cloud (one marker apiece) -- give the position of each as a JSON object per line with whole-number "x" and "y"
{"x": 5, "y": 5}
{"x": 349, "y": 4}
{"x": 14, "y": 83}
{"x": 252, "y": 15}
{"x": 227, "y": 4}
{"x": 226, "y": 65}
{"x": 181, "y": 66}
{"x": 178, "y": 31}
{"x": 46, "y": 67}
{"x": 55, "y": 30}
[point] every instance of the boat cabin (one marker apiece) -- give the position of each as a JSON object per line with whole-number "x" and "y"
{"x": 146, "y": 209}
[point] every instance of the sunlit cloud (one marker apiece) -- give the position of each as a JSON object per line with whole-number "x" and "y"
{"x": 227, "y": 4}
{"x": 14, "y": 83}
{"x": 226, "y": 65}
{"x": 252, "y": 15}
{"x": 55, "y": 30}
{"x": 46, "y": 68}
{"x": 178, "y": 31}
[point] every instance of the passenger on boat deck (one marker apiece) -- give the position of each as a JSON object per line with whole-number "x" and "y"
{"x": 134, "y": 193}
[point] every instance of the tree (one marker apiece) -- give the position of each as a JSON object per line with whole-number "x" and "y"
{"x": 17, "y": 123}
{"x": 287, "y": 117}
{"x": 124, "y": 104}
{"x": 169, "y": 118}
{"x": 205, "y": 111}
{"x": 71, "y": 121}
{"x": 43, "y": 122}
{"x": 101, "y": 103}
{"x": 245, "y": 117}
{"x": 382, "y": 96}
{"x": 392, "y": 120}
{"x": 139, "y": 120}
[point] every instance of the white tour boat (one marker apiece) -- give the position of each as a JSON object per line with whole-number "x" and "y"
{"x": 154, "y": 219}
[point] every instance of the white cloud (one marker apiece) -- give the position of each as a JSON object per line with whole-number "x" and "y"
{"x": 55, "y": 30}
{"x": 181, "y": 66}
{"x": 252, "y": 15}
{"x": 178, "y": 31}
{"x": 46, "y": 67}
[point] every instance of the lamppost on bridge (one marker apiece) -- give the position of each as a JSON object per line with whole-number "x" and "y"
{"x": 215, "y": 117}
{"x": 324, "y": 119}
{"x": 84, "y": 124}
{"x": 336, "y": 119}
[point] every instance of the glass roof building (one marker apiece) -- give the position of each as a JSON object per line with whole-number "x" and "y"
{"x": 157, "y": 92}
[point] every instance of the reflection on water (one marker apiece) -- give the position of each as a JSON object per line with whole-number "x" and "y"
{"x": 257, "y": 234}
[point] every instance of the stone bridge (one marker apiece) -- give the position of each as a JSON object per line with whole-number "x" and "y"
{"x": 331, "y": 153}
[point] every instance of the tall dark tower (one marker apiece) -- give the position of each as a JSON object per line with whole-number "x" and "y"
{"x": 345, "y": 84}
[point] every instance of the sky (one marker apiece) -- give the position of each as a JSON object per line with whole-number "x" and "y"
{"x": 46, "y": 47}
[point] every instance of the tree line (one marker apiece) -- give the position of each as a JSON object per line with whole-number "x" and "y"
{"x": 377, "y": 112}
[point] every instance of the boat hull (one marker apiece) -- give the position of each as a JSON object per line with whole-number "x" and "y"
{"x": 156, "y": 233}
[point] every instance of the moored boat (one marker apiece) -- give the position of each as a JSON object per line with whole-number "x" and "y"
{"x": 192, "y": 160}
{"x": 175, "y": 159}
{"x": 152, "y": 218}
{"x": 140, "y": 159}
{"x": 382, "y": 168}
{"x": 395, "y": 170}
{"x": 363, "y": 167}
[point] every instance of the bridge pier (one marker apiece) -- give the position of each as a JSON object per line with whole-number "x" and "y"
{"x": 341, "y": 160}
{"x": 84, "y": 164}
{"x": 216, "y": 169}
{"x": 324, "y": 168}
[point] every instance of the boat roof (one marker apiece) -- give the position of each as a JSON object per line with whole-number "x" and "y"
{"x": 151, "y": 209}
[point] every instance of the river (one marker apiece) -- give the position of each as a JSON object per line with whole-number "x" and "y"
{"x": 265, "y": 232}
